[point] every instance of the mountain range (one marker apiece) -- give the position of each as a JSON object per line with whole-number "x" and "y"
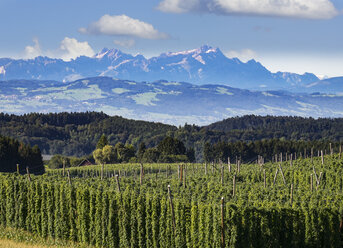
{"x": 170, "y": 102}
{"x": 205, "y": 65}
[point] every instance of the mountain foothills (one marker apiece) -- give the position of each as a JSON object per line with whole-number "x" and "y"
{"x": 170, "y": 102}
{"x": 78, "y": 133}
{"x": 205, "y": 65}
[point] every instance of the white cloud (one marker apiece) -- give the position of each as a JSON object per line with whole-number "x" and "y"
{"x": 311, "y": 9}
{"x": 72, "y": 48}
{"x": 124, "y": 26}
{"x": 69, "y": 48}
{"x": 33, "y": 51}
{"x": 244, "y": 55}
{"x": 125, "y": 43}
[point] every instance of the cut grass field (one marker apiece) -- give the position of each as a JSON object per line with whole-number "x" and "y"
{"x": 14, "y": 238}
{"x": 12, "y": 244}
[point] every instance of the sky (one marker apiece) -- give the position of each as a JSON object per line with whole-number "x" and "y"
{"x": 284, "y": 35}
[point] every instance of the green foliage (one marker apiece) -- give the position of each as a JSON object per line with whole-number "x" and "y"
{"x": 13, "y": 152}
{"x": 77, "y": 134}
{"x": 114, "y": 154}
{"x": 99, "y": 156}
{"x": 249, "y": 151}
{"x": 124, "y": 152}
{"x": 58, "y": 160}
{"x": 109, "y": 154}
{"x": 171, "y": 146}
{"x": 102, "y": 142}
{"x": 93, "y": 211}
{"x": 141, "y": 151}
{"x": 151, "y": 155}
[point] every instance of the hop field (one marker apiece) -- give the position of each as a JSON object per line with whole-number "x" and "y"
{"x": 291, "y": 203}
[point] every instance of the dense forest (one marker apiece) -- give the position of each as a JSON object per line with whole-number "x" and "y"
{"x": 13, "y": 153}
{"x": 268, "y": 149}
{"x": 76, "y": 134}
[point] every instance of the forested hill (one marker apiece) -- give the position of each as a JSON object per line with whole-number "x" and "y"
{"x": 76, "y": 134}
{"x": 282, "y": 127}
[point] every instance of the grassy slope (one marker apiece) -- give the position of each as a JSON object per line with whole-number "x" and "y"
{"x": 10, "y": 238}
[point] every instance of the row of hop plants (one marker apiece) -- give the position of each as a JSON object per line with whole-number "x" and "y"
{"x": 93, "y": 211}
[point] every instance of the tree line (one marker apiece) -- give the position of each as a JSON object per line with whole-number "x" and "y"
{"x": 76, "y": 134}
{"x": 249, "y": 151}
{"x": 169, "y": 150}
{"x": 13, "y": 153}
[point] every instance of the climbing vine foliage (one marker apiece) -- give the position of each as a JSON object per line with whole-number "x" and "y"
{"x": 262, "y": 212}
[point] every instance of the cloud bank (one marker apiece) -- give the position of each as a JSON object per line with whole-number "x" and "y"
{"x": 244, "y": 55}
{"x": 33, "y": 51}
{"x": 123, "y": 25}
{"x": 70, "y": 48}
{"x": 309, "y": 9}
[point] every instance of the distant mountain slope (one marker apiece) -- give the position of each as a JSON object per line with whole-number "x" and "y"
{"x": 329, "y": 86}
{"x": 168, "y": 102}
{"x": 205, "y": 65}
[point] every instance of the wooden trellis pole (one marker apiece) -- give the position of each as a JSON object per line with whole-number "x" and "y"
{"x": 283, "y": 176}
{"x": 320, "y": 178}
{"x": 222, "y": 175}
{"x": 234, "y": 186}
{"x": 69, "y": 179}
{"x": 281, "y": 157}
{"x": 184, "y": 176}
{"x": 264, "y": 178}
{"x": 118, "y": 185}
{"x": 277, "y": 170}
{"x": 315, "y": 174}
{"x": 331, "y": 150}
{"x": 28, "y": 174}
{"x": 229, "y": 164}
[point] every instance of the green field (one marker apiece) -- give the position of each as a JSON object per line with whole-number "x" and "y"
{"x": 92, "y": 207}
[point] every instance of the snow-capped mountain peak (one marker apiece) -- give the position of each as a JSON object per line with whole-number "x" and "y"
{"x": 202, "y": 49}
{"x": 204, "y": 65}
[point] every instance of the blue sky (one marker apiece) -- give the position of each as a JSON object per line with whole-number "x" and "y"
{"x": 286, "y": 35}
